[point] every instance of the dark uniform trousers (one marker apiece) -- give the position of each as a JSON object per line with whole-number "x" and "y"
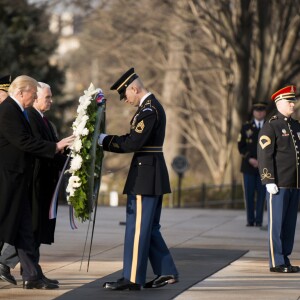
{"x": 279, "y": 158}
{"x": 252, "y": 183}
{"x": 282, "y": 214}
{"x": 146, "y": 182}
{"x": 143, "y": 240}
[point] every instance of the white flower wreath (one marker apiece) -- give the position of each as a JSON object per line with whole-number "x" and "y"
{"x": 83, "y": 129}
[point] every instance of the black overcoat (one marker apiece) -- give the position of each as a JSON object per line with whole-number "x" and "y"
{"x": 17, "y": 149}
{"x": 148, "y": 174}
{"x": 45, "y": 177}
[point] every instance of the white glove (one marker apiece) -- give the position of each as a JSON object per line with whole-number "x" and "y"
{"x": 272, "y": 188}
{"x": 101, "y": 138}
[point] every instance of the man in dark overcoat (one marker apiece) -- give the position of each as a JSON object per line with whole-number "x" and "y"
{"x": 17, "y": 147}
{"x": 46, "y": 172}
{"x": 45, "y": 177}
{"x": 147, "y": 182}
{"x": 8, "y": 252}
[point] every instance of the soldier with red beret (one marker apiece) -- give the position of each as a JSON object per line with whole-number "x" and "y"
{"x": 279, "y": 158}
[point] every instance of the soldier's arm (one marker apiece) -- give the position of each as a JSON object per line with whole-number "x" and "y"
{"x": 265, "y": 153}
{"x": 242, "y": 143}
{"x": 135, "y": 139}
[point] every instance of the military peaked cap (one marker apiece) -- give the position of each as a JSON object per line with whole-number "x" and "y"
{"x": 286, "y": 93}
{"x": 259, "y": 106}
{"x": 123, "y": 82}
{"x": 5, "y": 82}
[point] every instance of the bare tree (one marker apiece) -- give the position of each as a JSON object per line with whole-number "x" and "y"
{"x": 206, "y": 60}
{"x": 252, "y": 48}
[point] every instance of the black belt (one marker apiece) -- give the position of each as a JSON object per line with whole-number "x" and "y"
{"x": 150, "y": 149}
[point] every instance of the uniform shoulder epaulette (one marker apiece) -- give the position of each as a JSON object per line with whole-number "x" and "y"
{"x": 147, "y": 106}
{"x": 273, "y": 118}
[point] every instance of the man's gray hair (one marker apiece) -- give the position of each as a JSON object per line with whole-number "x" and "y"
{"x": 43, "y": 85}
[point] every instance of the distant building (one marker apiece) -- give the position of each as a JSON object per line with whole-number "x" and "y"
{"x": 67, "y": 26}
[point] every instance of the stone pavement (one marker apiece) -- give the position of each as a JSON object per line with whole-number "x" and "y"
{"x": 244, "y": 279}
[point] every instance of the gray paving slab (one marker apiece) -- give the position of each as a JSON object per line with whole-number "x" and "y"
{"x": 246, "y": 278}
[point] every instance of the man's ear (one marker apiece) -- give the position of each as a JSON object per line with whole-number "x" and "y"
{"x": 135, "y": 89}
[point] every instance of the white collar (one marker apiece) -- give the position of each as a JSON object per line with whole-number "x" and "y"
{"x": 42, "y": 115}
{"x": 20, "y": 105}
{"x": 145, "y": 96}
{"x": 257, "y": 123}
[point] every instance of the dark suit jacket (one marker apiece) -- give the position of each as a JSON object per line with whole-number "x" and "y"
{"x": 17, "y": 147}
{"x": 45, "y": 177}
{"x": 148, "y": 174}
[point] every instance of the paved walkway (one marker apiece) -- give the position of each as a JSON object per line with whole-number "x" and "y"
{"x": 245, "y": 278}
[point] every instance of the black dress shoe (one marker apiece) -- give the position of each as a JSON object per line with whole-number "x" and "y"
{"x": 38, "y": 284}
{"x": 5, "y": 274}
{"x": 295, "y": 269}
{"x": 48, "y": 280}
{"x": 250, "y": 224}
{"x": 264, "y": 227}
{"x": 161, "y": 280}
{"x": 122, "y": 284}
{"x": 258, "y": 224}
{"x": 282, "y": 269}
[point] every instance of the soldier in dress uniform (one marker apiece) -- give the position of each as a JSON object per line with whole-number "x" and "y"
{"x": 146, "y": 183}
{"x": 247, "y": 145}
{"x": 278, "y": 156}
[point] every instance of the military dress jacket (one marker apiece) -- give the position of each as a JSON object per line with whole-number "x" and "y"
{"x": 17, "y": 149}
{"x": 278, "y": 152}
{"x": 148, "y": 174}
{"x": 45, "y": 178}
{"x": 247, "y": 145}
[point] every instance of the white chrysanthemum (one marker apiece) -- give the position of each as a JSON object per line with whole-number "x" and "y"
{"x": 84, "y": 98}
{"x": 74, "y": 181}
{"x": 73, "y": 184}
{"x": 76, "y": 163}
{"x": 79, "y": 117}
{"x": 83, "y": 106}
{"x": 91, "y": 90}
{"x": 70, "y": 189}
{"x": 77, "y": 145}
{"x": 85, "y": 132}
{"x": 81, "y": 126}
